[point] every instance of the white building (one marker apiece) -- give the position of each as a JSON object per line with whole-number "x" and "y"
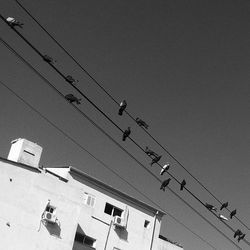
{"x": 64, "y": 208}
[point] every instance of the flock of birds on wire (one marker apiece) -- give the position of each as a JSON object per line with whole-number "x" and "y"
{"x": 154, "y": 156}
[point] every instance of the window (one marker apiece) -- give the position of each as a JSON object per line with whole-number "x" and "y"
{"x": 50, "y": 209}
{"x": 146, "y": 224}
{"x": 85, "y": 240}
{"x": 89, "y": 199}
{"x": 112, "y": 210}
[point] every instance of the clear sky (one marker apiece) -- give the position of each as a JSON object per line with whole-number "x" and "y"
{"x": 182, "y": 66}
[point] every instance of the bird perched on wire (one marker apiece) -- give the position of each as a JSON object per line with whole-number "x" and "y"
{"x": 71, "y": 98}
{"x": 224, "y": 205}
{"x": 233, "y": 213}
{"x": 237, "y": 233}
{"x": 126, "y": 133}
{"x": 210, "y": 207}
{"x": 165, "y": 168}
{"x": 48, "y": 59}
{"x": 123, "y": 106}
{"x": 70, "y": 79}
{"x": 13, "y": 22}
{"x": 141, "y": 123}
{"x": 150, "y": 152}
{"x": 183, "y": 184}
{"x": 155, "y": 160}
{"x": 222, "y": 217}
{"x": 241, "y": 237}
{"x": 165, "y": 184}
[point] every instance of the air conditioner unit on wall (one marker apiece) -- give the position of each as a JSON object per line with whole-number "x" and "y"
{"x": 119, "y": 222}
{"x": 49, "y": 217}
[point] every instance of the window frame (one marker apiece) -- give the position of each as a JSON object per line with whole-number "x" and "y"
{"x": 89, "y": 199}
{"x": 115, "y": 211}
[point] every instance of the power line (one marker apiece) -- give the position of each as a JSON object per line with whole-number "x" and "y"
{"x": 107, "y": 117}
{"x": 122, "y": 148}
{"x": 102, "y": 163}
{"x": 111, "y": 97}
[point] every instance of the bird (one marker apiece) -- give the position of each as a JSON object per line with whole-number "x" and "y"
{"x": 241, "y": 237}
{"x": 165, "y": 184}
{"x": 70, "y": 79}
{"x": 126, "y": 133}
{"x": 155, "y": 160}
{"x": 48, "y": 59}
{"x": 237, "y": 233}
{"x": 233, "y": 213}
{"x": 141, "y": 123}
{"x": 71, "y": 98}
{"x": 150, "y": 152}
{"x": 222, "y": 217}
{"x": 224, "y": 205}
{"x": 123, "y": 106}
{"x": 13, "y": 22}
{"x": 165, "y": 168}
{"x": 210, "y": 207}
{"x": 183, "y": 183}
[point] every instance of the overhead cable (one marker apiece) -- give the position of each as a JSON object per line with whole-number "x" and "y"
{"x": 111, "y": 97}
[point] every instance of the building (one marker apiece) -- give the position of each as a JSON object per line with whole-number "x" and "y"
{"x": 64, "y": 208}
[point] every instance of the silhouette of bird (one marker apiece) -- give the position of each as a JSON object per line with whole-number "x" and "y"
{"x": 165, "y": 184}
{"x": 70, "y": 79}
{"x": 150, "y": 152}
{"x": 222, "y": 217}
{"x": 48, "y": 59}
{"x": 233, "y": 213}
{"x": 237, "y": 233}
{"x": 126, "y": 133}
{"x": 224, "y": 205}
{"x": 13, "y": 22}
{"x": 183, "y": 183}
{"x": 210, "y": 207}
{"x": 155, "y": 160}
{"x": 123, "y": 106}
{"x": 241, "y": 237}
{"x": 165, "y": 168}
{"x": 141, "y": 123}
{"x": 71, "y": 98}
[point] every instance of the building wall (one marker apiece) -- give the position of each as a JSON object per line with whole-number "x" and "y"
{"x": 23, "y": 198}
{"x": 25, "y": 194}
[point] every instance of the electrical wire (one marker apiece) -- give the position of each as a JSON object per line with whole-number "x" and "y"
{"x": 102, "y": 163}
{"x": 122, "y": 148}
{"x": 107, "y": 117}
{"x": 114, "y": 100}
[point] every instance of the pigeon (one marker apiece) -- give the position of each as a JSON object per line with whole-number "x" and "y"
{"x": 155, "y": 160}
{"x": 222, "y": 217}
{"x": 237, "y": 233}
{"x": 126, "y": 133}
{"x": 150, "y": 152}
{"x": 233, "y": 213}
{"x": 141, "y": 123}
{"x": 183, "y": 183}
{"x": 165, "y": 168}
{"x": 165, "y": 184}
{"x": 224, "y": 205}
{"x": 13, "y": 22}
{"x": 123, "y": 106}
{"x": 71, "y": 98}
{"x": 241, "y": 237}
{"x": 70, "y": 79}
{"x": 210, "y": 207}
{"x": 48, "y": 59}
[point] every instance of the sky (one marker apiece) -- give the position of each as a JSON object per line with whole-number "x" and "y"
{"x": 182, "y": 66}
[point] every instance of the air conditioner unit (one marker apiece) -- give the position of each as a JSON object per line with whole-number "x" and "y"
{"x": 50, "y": 217}
{"x": 119, "y": 222}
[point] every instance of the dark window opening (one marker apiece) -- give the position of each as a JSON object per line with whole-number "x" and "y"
{"x": 146, "y": 224}
{"x": 50, "y": 209}
{"x": 84, "y": 239}
{"x": 112, "y": 210}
